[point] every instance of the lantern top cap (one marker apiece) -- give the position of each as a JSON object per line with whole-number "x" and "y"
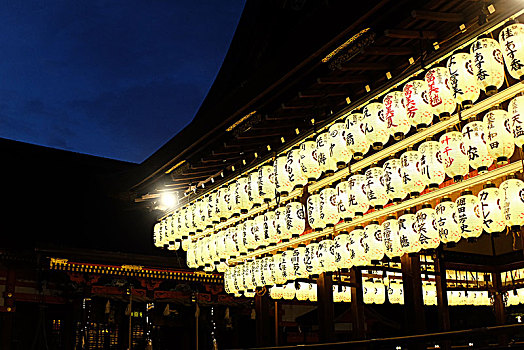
{"x": 466, "y": 192}
{"x": 426, "y": 205}
{"x": 489, "y": 185}
{"x": 445, "y": 199}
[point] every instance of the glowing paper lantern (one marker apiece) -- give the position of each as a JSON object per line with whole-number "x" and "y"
{"x": 326, "y": 161}
{"x": 346, "y": 294}
{"x": 286, "y": 265}
{"x": 380, "y": 292}
{"x": 298, "y": 259}
{"x": 343, "y": 201}
{"x": 281, "y": 224}
{"x": 230, "y": 242}
{"x": 255, "y": 200}
{"x": 475, "y": 146}
{"x": 302, "y": 293}
{"x": 342, "y": 253}
{"x": 396, "y": 116}
{"x": 289, "y": 291}
{"x": 311, "y": 260}
{"x": 337, "y": 297}
{"x": 185, "y": 243}
{"x": 409, "y": 236}
{"x": 512, "y": 194}
{"x": 411, "y": 172}
{"x": 431, "y": 167}
{"x": 329, "y": 207}
{"x": 258, "y": 229}
{"x": 237, "y": 233}
{"x": 375, "y": 188}
{"x": 420, "y": 112}
{"x": 157, "y": 240}
{"x": 515, "y": 109}
{"x": 248, "y": 277}
{"x": 309, "y": 161}
{"x": 511, "y": 39}
{"x": 270, "y": 230}
{"x": 359, "y": 247}
{"x": 200, "y": 215}
{"x": 427, "y": 227}
{"x": 395, "y": 293}
{"x": 313, "y": 212}
{"x": 491, "y": 208}
{"x": 469, "y": 215}
{"x": 221, "y": 242}
{"x": 223, "y": 203}
{"x": 373, "y": 237}
{"x": 268, "y": 270}
{"x": 312, "y": 292}
{"x": 357, "y": 142}
{"x": 463, "y": 81}
{"x": 282, "y": 184}
{"x": 279, "y": 269}
{"x": 454, "y": 156}
{"x": 375, "y": 125}
{"x": 393, "y": 180}
{"x": 358, "y": 199}
{"x": 439, "y": 92}
{"x": 241, "y": 194}
{"x": 499, "y": 135}
{"x": 266, "y": 182}
{"x": 326, "y": 255}
{"x": 338, "y": 139}
{"x": 249, "y": 235}
{"x": 447, "y": 221}
{"x": 391, "y": 237}
{"x": 212, "y": 216}
{"x": 295, "y": 218}
{"x": 368, "y": 291}
{"x": 488, "y": 64}
{"x": 276, "y": 292}
{"x": 429, "y": 293}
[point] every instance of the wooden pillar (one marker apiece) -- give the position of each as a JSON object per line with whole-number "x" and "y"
{"x": 498, "y": 305}
{"x": 442, "y": 292}
{"x": 415, "y": 322}
{"x": 326, "y": 331}
{"x": 278, "y": 316}
{"x": 262, "y": 320}
{"x": 358, "y": 323}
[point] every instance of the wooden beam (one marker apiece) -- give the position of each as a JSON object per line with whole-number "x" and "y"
{"x": 410, "y": 34}
{"x": 342, "y": 80}
{"x": 263, "y": 328}
{"x": 296, "y": 105}
{"x": 358, "y": 322}
{"x": 257, "y": 136}
{"x": 364, "y": 66}
{"x": 326, "y": 322}
{"x": 454, "y": 17}
{"x": 389, "y": 51}
{"x": 415, "y": 322}
{"x": 442, "y": 291}
{"x": 311, "y": 93}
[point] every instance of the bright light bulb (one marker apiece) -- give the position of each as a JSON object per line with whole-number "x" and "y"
{"x": 168, "y": 199}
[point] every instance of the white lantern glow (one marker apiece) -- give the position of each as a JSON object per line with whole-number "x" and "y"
{"x": 298, "y": 259}
{"x": 255, "y": 200}
{"x": 454, "y": 156}
{"x": 511, "y": 39}
{"x": 279, "y": 269}
{"x": 373, "y": 237}
{"x": 469, "y": 215}
{"x": 396, "y": 293}
{"x": 375, "y": 125}
{"x": 237, "y": 233}
{"x": 409, "y": 237}
{"x": 358, "y": 199}
{"x": 463, "y": 81}
{"x": 258, "y": 229}
{"x": 329, "y": 207}
{"x": 326, "y": 161}
{"x": 488, "y": 64}
{"x": 346, "y": 294}
{"x": 270, "y": 230}
{"x": 439, "y": 92}
{"x": 200, "y": 215}
{"x": 338, "y": 140}
{"x": 512, "y": 194}
{"x": 420, "y": 112}
{"x": 337, "y": 297}
{"x": 344, "y": 208}
{"x": 223, "y": 203}
{"x": 368, "y": 291}
{"x": 447, "y": 221}
{"x": 295, "y": 218}
{"x": 393, "y": 180}
{"x": 475, "y": 146}
{"x": 357, "y": 142}
{"x": 342, "y": 253}
{"x": 302, "y": 293}
{"x": 411, "y": 172}
{"x": 313, "y": 212}
{"x": 431, "y": 167}
{"x": 375, "y": 187}
{"x": 427, "y": 227}
{"x": 311, "y": 260}
{"x": 310, "y": 166}
{"x": 241, "y": 194}
{"x": 268, "y": 270}
{"x": 276, "y": 292}
{"x": 266, "y": 182}
{"x": 358, "y": 247}
{"x": 326, "y": 255}
{"x": 249, "y": 235}
{"x": 232, "y": 205}
{"x": 281, "y": 224}
{"x": 380, "y": 292}
{"x": 312, "y": 292}
{"x": 429, "y": 293}
{"x": 491, "y": 208}
{"x": 391, "y": 237}
{"x": 396, "y": 115}
{"x": 516, "y": 113}
{"x": 499, "y": 135}
{"x": 157, "y": 239}
{"x": 286, "y": 264}
{"x": 282, "y": 184}
{"x": 212, "y": 217}
{"x": 289, "y": 291}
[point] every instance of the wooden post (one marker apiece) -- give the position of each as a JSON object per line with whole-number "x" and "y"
{"x": 498, "y": 305}
{"x": 413, "y": 303}
{"x": 277, "y": 322}
{"x": 358, "y": 323}
{"x": 326, "y": 324}
{"x": 262, "y": 320}
{"x": 442, "y": 292}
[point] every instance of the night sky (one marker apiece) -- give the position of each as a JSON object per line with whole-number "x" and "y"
{"x": 115, "y": 78}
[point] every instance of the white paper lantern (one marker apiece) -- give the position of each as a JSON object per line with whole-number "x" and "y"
{"x": 326, "y": 161}
{"x": 447, "y": 221}
{"x": 391, "y": 237}
{"x": 258, "y": 273}
{"x": 311, "y": 260}
{"x": 268, "y": 270}
{"x": 270, "y": 230}
{"x": 276, "y": 292}
{"x": 475, "y": 146}
{"x": 463, "y": 81}
{"x": 329, "y": 207}
{"x": 515, "y": 111}
{"x": 266, "y": 182}
{"x": 295, "y": 218}
{"x": 346, "y": 294}
{"x": 309, "y": 163}
{"x": 420, "y": 112}
{"x": 223, "y": 203}
{"x": 326, "y": 255}
{"x": 499, "y": 135}
{"x": 337, "y": 297}
{"x": 375, "y": 125}
{"x": 358, "y": 199}
{"x": 429, "y": 293}
{"x": 249, "y": 235}
{"x": 393, "y": 180}
{"x": 412, "y": 177}
{"x": 396, "y": 293}
{"x": 427, "y": 227}
{"x": 344, "y": 208}
{"x": 313, "y": 212}
{"x": 279, "y": 272}
{"x": 248, "y": 277}
{"x": 281, "y": 224}
{"x": 298, "y": 259}
{"x": 491, "y": 209}
{"x": 289, "y": 291}
{"x": 396, "y": 115}
{"x": 157, "y": 239}
{"x": 286, "y": 265}
{"x": 454, "y": 156}
{"x": 359, "y": 247}
{"x": 258, "y": 229}
{"x": 512, "y": 194}
{"x": 409, "y": 236}
{"x": 380, "y": 292}
{"x": 185, "y": 243}
{"x": 282, "y": 184}
{"x": 200, "y": 215}
{"x": 488, "y": 64}
{"x": 312, "y": 292}
{"x": 240, "y": 240}
{"x": 439, "y": 92}
{"x": 368, "y": 291}
{"x": 511, "y": 39}
{"x": 230, "y": 242}
{"x": 241, "y": 194}
{"x": 469, "y": 215}
{"x": 338, "y": 140}
{"x": 302, "y": 293}
{"x": 221, "y": 243}
{"x": 211, "y": 217}
{"x": 357, "y": 142}
{"x": 255, "y": 200}
{"x": 375, "y": 187}
{"x": 342, "y": 253}
{"x": 373, "y": 237}
{"x": 431, "y": 167}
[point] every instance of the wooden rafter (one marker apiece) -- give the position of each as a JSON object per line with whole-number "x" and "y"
{"x": 454, "y": 17}
{"x": 349, "y": 66}
{"x": 410, "y": 34}
{"x": 389, "y": 51}
{"x": 352, "y": 79}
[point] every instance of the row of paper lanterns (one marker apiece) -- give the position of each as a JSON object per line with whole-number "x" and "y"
{"x": 304, "y": 291}
{"x": 491, "y": 210}
{"x": 514, "y": 297}
{"x": 465, "y": 75}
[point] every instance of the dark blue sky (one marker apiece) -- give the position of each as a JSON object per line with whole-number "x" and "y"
{"x": 115, "y": 78}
